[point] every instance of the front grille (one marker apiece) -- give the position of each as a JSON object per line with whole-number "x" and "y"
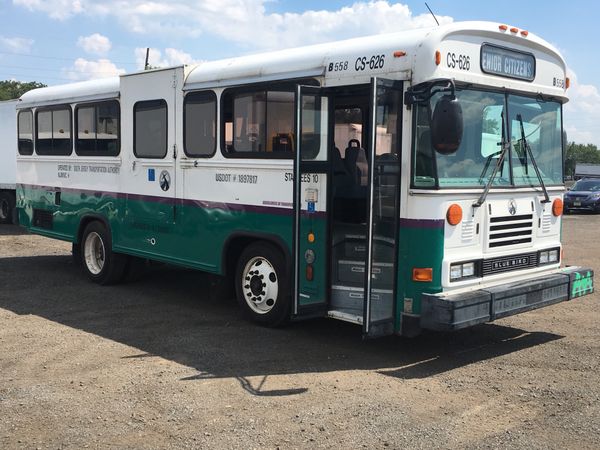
{"x": 510, "y": 230}
{"x": 507, "y": 263}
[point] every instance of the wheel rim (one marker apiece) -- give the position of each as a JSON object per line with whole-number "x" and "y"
{"x": 4, "y": 209}
{"x": 260, "y": 285}
{"x": 94, "y": 253}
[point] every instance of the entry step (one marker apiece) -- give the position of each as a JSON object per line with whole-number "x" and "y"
{"x": 350, "y": 299}
{"x": 351, "y": 272}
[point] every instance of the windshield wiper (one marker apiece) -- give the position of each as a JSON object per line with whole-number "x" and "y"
{"x": 505, "y": 145}
{"x": 525, "y": 144}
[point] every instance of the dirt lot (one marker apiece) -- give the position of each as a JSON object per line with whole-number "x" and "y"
{"x": 163, "y": 363}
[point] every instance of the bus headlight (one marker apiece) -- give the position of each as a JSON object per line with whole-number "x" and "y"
{"x": 462, "y": 270}
{"x": 548, "y": 256}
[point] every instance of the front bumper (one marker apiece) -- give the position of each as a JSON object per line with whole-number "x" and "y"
{"x": 444, "y": 312}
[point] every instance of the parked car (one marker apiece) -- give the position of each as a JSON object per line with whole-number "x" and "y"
{"x": 583, "y": 196}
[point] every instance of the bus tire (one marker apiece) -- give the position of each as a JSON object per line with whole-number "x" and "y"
{"x": 7, "y": 205}
{"x": 100, "y": 263}
{"x": 262, "y": 285}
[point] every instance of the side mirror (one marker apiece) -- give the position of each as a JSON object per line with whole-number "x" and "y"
{"x": 446, "y": 125}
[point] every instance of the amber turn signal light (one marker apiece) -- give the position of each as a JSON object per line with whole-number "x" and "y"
{"x": 438, "y": 57}
{"x": 422, "y": 274}
{"x": 557, "y": 207}
{"x": 454, "y": 214}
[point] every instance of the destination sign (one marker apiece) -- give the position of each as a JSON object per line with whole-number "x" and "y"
{"x": 507, "y": 63}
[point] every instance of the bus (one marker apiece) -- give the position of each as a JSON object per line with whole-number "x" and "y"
{"x": 401, "y": 182}
{"x": 8, "y": 162}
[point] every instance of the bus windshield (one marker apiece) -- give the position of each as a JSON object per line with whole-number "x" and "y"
{"x": 484, "y": 115}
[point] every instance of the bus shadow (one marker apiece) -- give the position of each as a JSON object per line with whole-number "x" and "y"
{"x": 174, "y": 314}
{"x": 12, "y": 230}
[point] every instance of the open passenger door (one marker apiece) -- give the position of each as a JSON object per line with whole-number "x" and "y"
{"x": 383, "y": 207}
{"x": 310, "y": 238}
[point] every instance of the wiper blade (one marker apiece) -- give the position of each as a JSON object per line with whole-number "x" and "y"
{"x": 525, "y": 144}
{"x": 505, "y": 145}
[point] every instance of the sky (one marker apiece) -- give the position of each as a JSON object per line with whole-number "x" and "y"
{"x": 59, "y": 41}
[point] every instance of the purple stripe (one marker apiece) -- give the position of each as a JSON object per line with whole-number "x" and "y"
{"x": 422, "y": 223}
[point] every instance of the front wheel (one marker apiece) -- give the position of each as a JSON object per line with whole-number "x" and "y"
{"x": 99, "y": 262}
{"x": 262, "y": 285}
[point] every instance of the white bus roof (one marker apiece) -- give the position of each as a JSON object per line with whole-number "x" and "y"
{"x": 417, "y": 46}
{"x": 65, "y": 93}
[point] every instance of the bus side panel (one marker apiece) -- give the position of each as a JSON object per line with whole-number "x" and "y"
{"x": 58, "y": 212}
{"x": 421, "y": 246}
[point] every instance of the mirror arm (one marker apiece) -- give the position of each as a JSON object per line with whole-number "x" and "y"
{"x": 423, "y": 94}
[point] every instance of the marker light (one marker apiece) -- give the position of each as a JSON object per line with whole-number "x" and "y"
{"x": 424, "y": 274}
{"x": 557, "y": 207}
{"x": 399, "y": 54}
{"x": 454, "y": 214}
{"x": 524, "y": 33}
{"x": 309, "y": 272}
{"x": 503, "y": 27}
{"x": 568, "y": 82}
{"x": 438, "y": 57}
{"x": 514, "y": 30}
{"x": 311, "y": 237}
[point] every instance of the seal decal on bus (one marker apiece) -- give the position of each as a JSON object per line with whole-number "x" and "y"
{"x": 164, "y": 180}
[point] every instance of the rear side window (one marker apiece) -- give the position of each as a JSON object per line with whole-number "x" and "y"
{"x": 53, "y": 131}
{"x": 25, "y": 132}
{"x": 98, "y": 129}
{"x": 200, "y": 129}
{"x": 258, "y": 124}
{"x": 150, "y": 124}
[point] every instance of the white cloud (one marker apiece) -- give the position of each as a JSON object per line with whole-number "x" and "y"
{"x": 16, "y": 44}
{"x": 83, "y": 69}
{"x": 245, "y": 22}
{"x": 95, "y": 43}
{"x": 56, "y": 9}
{"x": 173, "y": 57}
{"x": 581, "y": 113}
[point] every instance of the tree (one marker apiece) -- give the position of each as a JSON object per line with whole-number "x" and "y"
{"x": 11, "y": 89}
{"x": 579, "y": 153}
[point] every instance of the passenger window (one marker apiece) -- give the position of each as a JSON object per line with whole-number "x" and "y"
{"x": 200, "y": 118}
{"x": 98, "y": 129}
{"x": 25, "y": 132}
{"x": 150, "y": 125}
{"x": 53, "y": 136}
{"x": 259, "y": 124}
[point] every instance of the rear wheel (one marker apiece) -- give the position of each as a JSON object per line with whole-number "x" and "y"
{"x": 7, "y": 207}
{"x": 262, "y": 285}
{"x": 99, "y": 262}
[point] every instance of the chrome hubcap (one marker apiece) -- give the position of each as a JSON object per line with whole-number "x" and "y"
{"x": 260, "y": 285}
{"x": 93, "y": 251}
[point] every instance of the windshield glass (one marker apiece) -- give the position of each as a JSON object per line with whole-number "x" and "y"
{"x": 586, "y": 185}
{"x": 483, "y": 116}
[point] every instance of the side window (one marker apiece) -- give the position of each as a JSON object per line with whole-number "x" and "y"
{"x": 25, "y": 132}
{"x": 150, "y": 129}
{"x": 53, "y": 131}
{"x": 98, "y": 129}
{"x": 200, "y": 118}
{"x": 258, "y": 124}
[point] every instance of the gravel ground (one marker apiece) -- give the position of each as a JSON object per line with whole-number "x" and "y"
{"x": 165, "y": 363}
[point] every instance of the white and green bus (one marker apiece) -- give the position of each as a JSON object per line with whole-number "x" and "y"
{"x": 400, "y": 182}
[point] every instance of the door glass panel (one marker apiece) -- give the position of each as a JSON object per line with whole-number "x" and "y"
{"x": 384, "y": 210}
